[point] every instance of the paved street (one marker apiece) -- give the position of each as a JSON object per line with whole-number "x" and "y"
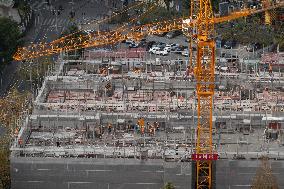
{"x": 49, "y": 25}
{"x": 29, "y": 173}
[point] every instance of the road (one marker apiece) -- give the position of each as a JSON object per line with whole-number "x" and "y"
{"x": 49, "y": 25}
{"x": 49, "y": 173}
{"x": 44, "y": 27}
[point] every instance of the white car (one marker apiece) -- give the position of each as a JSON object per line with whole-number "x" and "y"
{"x": 185, "y": 52}
{"x": 162, "y": 52}
{"x": 154, "y": 49}
{"x": 168, "y": 48}
{"x": 265, "y": 107}
{"x": 129, "y": 41}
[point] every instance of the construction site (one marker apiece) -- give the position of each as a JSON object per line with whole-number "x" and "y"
{"x": 131, "y": 118}
{"x": 150, "y": 114}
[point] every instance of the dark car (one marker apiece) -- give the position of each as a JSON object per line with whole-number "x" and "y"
{"x": 179, "y": 49}
{"x": 142, "y": 43}
{"x": 161, "y": 45}
{"x": 133, "y": 45}
{"x": 162, "y": 34}
{"x": 149, "y": 44}
{"x": 253, "y": 47}
{"x": 230, "y": 44}
{"x": 173, "y": 34}
{"x": 60, "y": 8}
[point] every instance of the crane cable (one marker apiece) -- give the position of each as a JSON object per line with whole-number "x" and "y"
{"x": 150, "y": 9}
{"x": 20, "y": 54}
{"x": 58, "y": 41}
{"x": 100, "y": 21}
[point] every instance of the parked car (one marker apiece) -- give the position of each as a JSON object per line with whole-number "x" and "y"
{"x": 154, "y": 49}
{"x": 129, "y": 41}
{"x": 161, "y": 45}
{"x": 230, "y": 44}
{"x": 133, "y": 45}
{"x": 168, "y": 48}
{"x": 60, "y": 8}
{"x": 150, "y": 44}
{"x": 161, "y": 34}
{"x": 173, "y": 34}
{"x": 163, "y": 52}
{"x": 265, "y": 107}
{"x": 179, "y": 49}
{"x": 174, "y": 46}
{"x": 185, "y": 52}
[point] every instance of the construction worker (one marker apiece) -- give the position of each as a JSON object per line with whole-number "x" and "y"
{"x": 109, "y": 128}
{"x": 142, "y": 129}
{"x": 270, "y": 69}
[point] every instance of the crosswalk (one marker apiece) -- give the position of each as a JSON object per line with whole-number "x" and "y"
{"x": 52, "y": 21}
{"x": 40, "y": 4}
{"x": 48, "y": 25}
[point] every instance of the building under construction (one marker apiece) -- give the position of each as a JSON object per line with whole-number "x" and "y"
{"x": 125, "y": 120}
{"x": 132, "y": 119}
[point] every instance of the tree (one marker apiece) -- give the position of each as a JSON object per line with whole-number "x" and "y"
{"x": 169, "y": 185}
{"x": 4, "y": 168}
{"x": 11, "y": 106}
{"x": 167, "y": 2}
{"x": 23, "y": 8}
{"x": 70, "y": 29}
{"x": 159, "y": 14}
{"x": 215, "y": 5}
{"x": 9, "y": 39}
{"x": 264, "y": 179}
{"x": 279, "y": 39}
{"x": 36, "y": 70}
{"x": 246, "y": 31}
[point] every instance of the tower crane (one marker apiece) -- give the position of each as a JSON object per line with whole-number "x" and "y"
{"x": 102, "y": 38}
{"x": 200, "y": 27}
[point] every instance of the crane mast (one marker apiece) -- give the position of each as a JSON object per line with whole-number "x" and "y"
{"x": 204, "y": 74}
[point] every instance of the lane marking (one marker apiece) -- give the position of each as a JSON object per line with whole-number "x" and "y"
{"x": 44, "y": 21}
{"x": 79, "y": 182}
{"x": 242, "y": 185}
{"x": 246, "y": 173}
{"x": 53, "y": 21}
{"x": 160, "y": 171}
{"x": 97, "y": 170}
{"x": 34, "y": 4}
{"x": 49, "y": 22}
{"x": 149, "y": 183}
{"x": 40, "y": 5}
